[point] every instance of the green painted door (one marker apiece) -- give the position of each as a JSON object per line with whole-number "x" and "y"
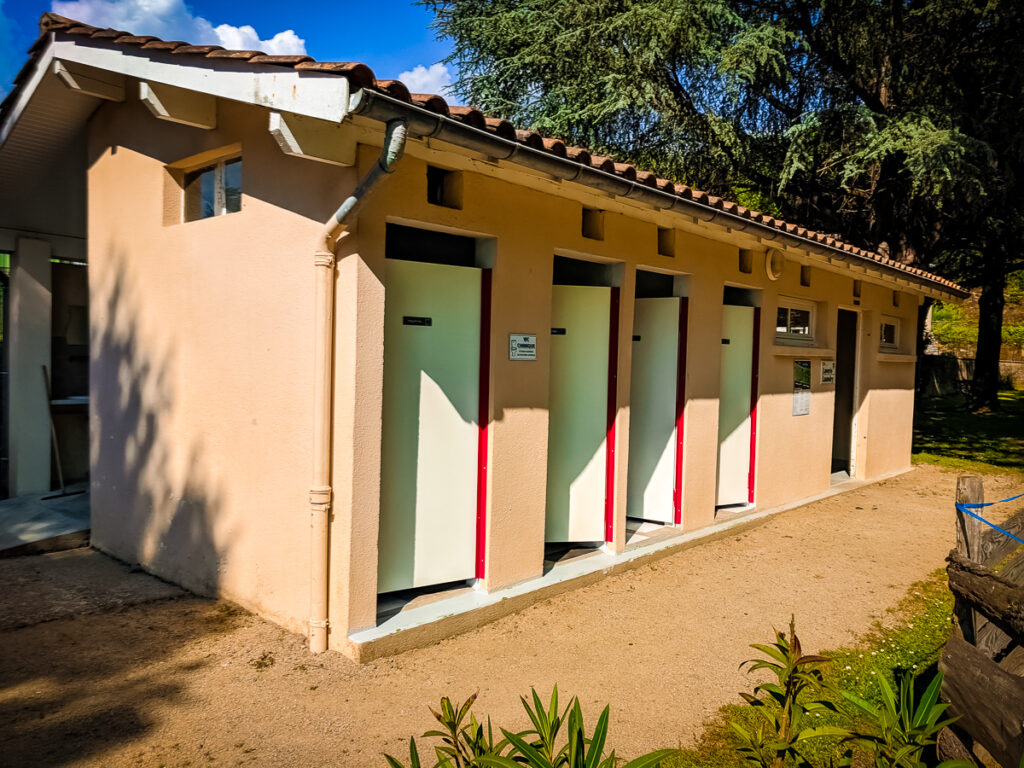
{"x": 430, "y": 431}
{"x": 577, "y": 413}
{"x": 652, "y": 410}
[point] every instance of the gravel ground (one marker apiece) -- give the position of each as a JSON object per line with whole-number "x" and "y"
{"x": 139, "y": 678}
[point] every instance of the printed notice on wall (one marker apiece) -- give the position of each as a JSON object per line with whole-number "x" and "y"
{"x": 828, "y": 371}
{"x": 522, "y": 346}
{"x": 801, "y": 387}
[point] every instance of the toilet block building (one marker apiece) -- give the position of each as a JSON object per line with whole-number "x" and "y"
{"x": 380, "y": 368}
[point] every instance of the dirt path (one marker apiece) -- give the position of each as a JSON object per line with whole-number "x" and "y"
{"x": 184, "y": 682}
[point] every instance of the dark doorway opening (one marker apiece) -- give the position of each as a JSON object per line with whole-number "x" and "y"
{"x": 846, "y": 375}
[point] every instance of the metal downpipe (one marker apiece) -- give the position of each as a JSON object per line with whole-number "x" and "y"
{"x": 320, "y": 492}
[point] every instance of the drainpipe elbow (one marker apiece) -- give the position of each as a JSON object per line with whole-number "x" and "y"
{"x": 395, "y": 135}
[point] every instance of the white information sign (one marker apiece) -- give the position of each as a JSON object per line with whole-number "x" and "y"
{"x": 522, "y": 346}
{"x": 828, "y": 372}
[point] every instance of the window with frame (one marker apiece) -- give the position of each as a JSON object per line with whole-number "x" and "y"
{"x": 213, "y": 190}
{"x": 794, "y": 321}
{"x": 889, "y": 333}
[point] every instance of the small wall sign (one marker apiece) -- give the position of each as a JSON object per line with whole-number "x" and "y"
{"x": 801, "y": 387}
{"x": 828, "y": 371}
{"x": 522, "y": 346}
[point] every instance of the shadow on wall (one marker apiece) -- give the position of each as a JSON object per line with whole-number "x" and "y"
{"x": 153, "y": 503}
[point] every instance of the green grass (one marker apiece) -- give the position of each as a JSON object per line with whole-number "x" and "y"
{"x": 948, "y": 434}
{"x": 912, "y": 640}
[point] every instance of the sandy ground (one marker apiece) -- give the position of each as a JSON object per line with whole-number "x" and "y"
{"x": 138, "y": 677}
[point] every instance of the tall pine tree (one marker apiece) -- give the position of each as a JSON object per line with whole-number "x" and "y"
{"x": 897, "y": 123}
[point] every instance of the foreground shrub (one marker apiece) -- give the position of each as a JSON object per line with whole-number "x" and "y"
{"x": 893, "y": 734}
{"x": 557, "y": 740}
{"x": 807, "y": 716}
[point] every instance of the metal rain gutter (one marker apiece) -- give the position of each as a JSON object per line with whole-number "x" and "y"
{"x": 426, "y": 124}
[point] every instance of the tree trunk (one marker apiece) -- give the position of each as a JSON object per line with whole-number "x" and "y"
{"x": 985, "y": 387}
{"x": 921, "y": 344}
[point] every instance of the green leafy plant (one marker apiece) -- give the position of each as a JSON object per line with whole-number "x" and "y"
{"x": 799, "y": 691}
{"x": 899, "y": 730}
{"x": 464, "y": 744}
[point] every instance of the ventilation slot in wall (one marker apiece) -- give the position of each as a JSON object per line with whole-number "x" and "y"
{"x": 444, "y": 187}
{"x": 593, "y": 224}
{"x": 805, "y": 276}
{"x": 856, "y": 289}
{"x": 895, "y": 298}
{"x": 666, "y": 242}
{"x": 746, "y": 261}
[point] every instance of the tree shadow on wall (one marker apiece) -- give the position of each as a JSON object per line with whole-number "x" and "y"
{"x": 72, "y": 689}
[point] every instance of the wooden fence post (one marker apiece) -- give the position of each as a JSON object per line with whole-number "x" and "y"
{"x": 983, "y": 660}
{"x": 969, "y": 490}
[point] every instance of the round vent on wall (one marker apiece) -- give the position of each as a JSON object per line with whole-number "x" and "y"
{"x": 774, "y": 262}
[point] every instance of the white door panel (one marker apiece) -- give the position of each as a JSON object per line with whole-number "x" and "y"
{"x": 430, "y": 431}
{"x": 652, "y": 410}
{"x": 734, "y": 404}
{"x": 578, "y": 405}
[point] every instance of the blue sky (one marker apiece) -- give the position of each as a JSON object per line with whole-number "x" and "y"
{"x": 392, "y": 36}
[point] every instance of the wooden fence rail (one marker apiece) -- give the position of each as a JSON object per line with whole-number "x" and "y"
{"x": 983, "y": 661}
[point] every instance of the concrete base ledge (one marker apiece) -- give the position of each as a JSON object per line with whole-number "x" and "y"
{"x": 73, "y": 540}
{"x": 431, "y": 623}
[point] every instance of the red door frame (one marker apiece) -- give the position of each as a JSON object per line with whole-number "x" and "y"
{"x": 613, "y": 396}
{"x": 677, "y": 489}
{"x": 755, "y": 364}
{"x": 483, "y": 418}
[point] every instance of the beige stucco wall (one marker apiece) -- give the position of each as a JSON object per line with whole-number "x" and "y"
{"x": 202, "y": 360}
{"x": 201, "y": 352}
{"x": 530, "y": 227}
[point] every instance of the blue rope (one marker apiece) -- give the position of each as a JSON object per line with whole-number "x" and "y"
{"x": 989, "y": 504}
{"x": 966, "y": 509}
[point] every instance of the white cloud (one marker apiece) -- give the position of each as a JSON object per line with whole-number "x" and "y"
{"x": 433, "y": 79}
{"x": 172, "y": 20}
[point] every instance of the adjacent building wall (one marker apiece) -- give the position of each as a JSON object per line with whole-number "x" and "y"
{"x": 42, "y": 217}
{"x": 29, "y": 339}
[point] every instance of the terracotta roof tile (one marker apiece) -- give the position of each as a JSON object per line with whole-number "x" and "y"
{"x": 134, "y": 39}
{"x": 361, "y": 76}
{"x": 431, "y": 101}
{"x": 469, "y": 116}
{"x": 531, "y": 139}
{"x": 197, "y": 49}
{"x": 625, "y": 170}
{"x": 502, "y": 128}
{"x": 157, "y": 44}
{"x": 394, "y": 88}
{"x": 239, "y": 55}
{"x": 555, "y": 147}
{"x": 579, "y": 154}
{"x": 104, "y": 34}
{"x": 285, "y": 61}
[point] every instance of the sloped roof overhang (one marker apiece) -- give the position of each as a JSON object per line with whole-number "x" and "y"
{"x": 315, "y": 90}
